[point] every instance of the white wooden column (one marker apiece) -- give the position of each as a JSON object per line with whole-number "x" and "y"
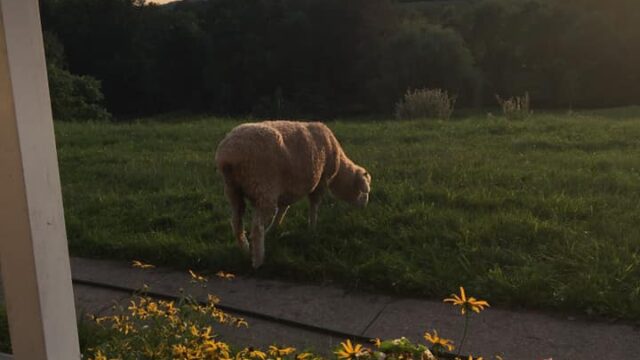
{"x": 33, "y": 247}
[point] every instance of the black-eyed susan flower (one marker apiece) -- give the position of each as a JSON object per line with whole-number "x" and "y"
{"x": 140, "y": 265}
{"x": 437, "y": 341}
{"x": 99, "y": 319}
{"x": 194, "y": 331}
{"x": 251, "y": 353}
{"x": 100, "y": 356}
{"x": 215, "y": 349}
{"x": 280, "y": 352}
{"x": 349, "y": 351}
{"x": 376, "y": 342}
{"x": 467, "y": 303}
{"x": 205, "y": 334}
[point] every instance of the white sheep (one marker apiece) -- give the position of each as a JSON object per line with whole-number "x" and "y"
{"x": 276, "y": 163}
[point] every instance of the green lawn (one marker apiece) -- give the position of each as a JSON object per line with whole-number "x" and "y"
{"x": 543, "y": 213}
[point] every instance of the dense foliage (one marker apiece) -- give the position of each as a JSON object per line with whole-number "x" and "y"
{"x": 73, "y": 97}
{"x": 338, "y": 57}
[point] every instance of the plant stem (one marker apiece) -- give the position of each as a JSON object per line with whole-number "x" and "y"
{"x": 464, "y": 332}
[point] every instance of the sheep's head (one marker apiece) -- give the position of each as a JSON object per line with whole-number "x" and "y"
{"x": 352, "y": 184}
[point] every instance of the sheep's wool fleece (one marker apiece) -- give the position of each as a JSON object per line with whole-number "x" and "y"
{"x": 279, "y": 161}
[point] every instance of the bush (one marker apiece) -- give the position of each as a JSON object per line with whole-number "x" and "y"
{"x": 75, "y": 97}
{"x": 515, "y": 108}
{"x": 420, "y": 55}
{"x": 425, "y": 103}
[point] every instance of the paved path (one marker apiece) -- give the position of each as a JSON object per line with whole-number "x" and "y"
{"x": 512, "y": 334}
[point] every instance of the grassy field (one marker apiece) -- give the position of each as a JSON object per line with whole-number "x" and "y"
{"x": 542, "y": 213}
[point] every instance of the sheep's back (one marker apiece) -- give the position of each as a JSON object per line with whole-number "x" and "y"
{"x": 286, "y": 158}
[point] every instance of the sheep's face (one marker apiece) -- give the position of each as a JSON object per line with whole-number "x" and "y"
{"x": 352, "y": 185}
{"x": 362, "y": 187}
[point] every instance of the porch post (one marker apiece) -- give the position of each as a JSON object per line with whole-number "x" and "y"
{"x": 34, "y": 258}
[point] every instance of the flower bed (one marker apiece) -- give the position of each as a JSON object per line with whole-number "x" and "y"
{"x": 184, "y": 329}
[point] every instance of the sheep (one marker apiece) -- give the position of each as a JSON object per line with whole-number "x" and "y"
{"x": 274, "y": 164}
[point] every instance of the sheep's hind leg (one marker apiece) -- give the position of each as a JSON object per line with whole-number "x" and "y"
{"x": 238, "y": 208}
{"x": 314, "y": 204}
{"x": 261, "y": 216}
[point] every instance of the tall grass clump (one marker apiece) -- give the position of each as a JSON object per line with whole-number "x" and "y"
{"x": 425, "y": 103}
{"x": 515, "y": 108}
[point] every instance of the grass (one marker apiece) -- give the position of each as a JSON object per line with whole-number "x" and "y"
{"x": 541, "y": 213}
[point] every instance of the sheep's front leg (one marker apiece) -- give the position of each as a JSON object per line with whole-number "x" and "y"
{"x": 315, "y": 198}
{"x": 237, "y": 212}
{"x": 261, "y": 216}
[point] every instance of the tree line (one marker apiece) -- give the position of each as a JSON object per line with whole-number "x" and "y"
{"x": 324, "y": 58}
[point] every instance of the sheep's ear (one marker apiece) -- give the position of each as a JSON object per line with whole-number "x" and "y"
{"x": 362, "y": 181}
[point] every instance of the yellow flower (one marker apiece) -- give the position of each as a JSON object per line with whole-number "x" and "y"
{"x": 349, "y": 351}
{"x": 99, "y": 319}
{"x": 179, "y": 350}
{"x": 438, "y": 341}
{"x": 206, "y": 333}
{"x": 169, "y": 307}
{"x": 194, "y": 331}
{"x": 195, "y": 354}
{"x": 279, "y": 352}
{"x": 127, "y": 328}
{"x": 467, "y": 303}
{"x": 122, "y": 324}
{"x": 197, "y": 278}
{"x": 252, "y": 354}
{"x": 303, "y": 356}
{"x": 140, "y": 265}
{"x": 376, "y": 342}
{"x": 224, "y": 275}
{"x": 137, "y": 311}
{"x": 100, "y": 356}
{"x": 152, "y": 308}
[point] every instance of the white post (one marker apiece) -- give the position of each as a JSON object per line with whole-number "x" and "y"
{"x": 33, "y": 248}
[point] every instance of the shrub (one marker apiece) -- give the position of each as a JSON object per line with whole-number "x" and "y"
{"x": 75, "y": 97}
{"x": 420, "y": 55}
{"x": 425, "y": 103}
{"x": 515, "y": 108}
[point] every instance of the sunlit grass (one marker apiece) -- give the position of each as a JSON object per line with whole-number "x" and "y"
{"x": 540, "y": 213}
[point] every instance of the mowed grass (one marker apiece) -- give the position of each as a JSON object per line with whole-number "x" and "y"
{"x": 543, "y": 213}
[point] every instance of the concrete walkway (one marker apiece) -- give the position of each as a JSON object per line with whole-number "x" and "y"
{"x": 511, "y": 334}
